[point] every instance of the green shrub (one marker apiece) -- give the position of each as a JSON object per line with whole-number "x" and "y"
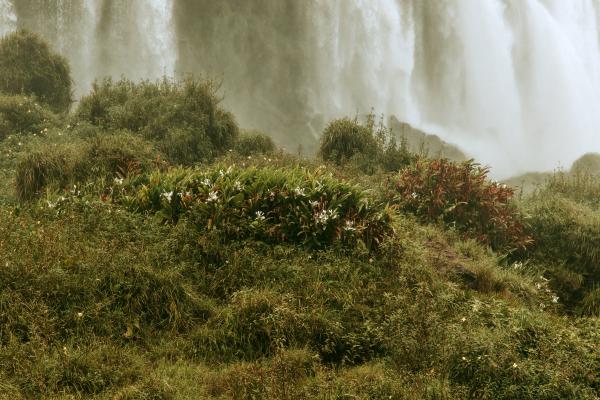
{"x": 461, "y": 196}
{"x": 29, "y": 67}
{"x": 345, "y": 138}
{"x": 184, "y": 118}
{"x": 23, "y": 115}
{"x": 590, "y": 305}
{"x": 266, "y": 204}
{"x": 103, "y": 156}
{"x": 588, "y": 164}
{"x": 369, "y": 146}
{"x": 254, "y": 142}
{"x": 581, "y": 188}
{"x": 566, "y": 242}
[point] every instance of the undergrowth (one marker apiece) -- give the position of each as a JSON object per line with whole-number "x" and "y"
{"x": 254, "y": 274}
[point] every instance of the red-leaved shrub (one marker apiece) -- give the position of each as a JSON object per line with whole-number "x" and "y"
{"x": 461, "y": 196}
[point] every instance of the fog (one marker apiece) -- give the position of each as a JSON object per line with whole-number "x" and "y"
{"x": 514, "y": 83}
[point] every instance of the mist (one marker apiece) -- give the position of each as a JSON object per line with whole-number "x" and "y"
{"x": 513, "y": 83}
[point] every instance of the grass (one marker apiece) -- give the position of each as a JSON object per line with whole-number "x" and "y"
{"x": 255, "y": 274}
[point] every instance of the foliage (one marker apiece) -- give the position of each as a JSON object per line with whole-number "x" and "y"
{"x": 98, "y": 301}
{"x": 266, "y": 204}
{"x": 29, "y": 67}
{"x": 370, "y": 146}
{"x": 461, "y": 196}
{"x": 274, "y": 277}
{"x": 567, "y": 238}
{"x": 23, "y": 115}
{"x": 580, "y": 188}
{"x": 254, "y": 142}
{"x": 75, "y": 161}
{"x": 183, "y": 118}
{"x": 345, "y": 138}
{"x": 588, "y": 164}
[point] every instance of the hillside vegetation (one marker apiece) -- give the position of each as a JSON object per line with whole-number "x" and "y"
{"x": 150, "y": 251}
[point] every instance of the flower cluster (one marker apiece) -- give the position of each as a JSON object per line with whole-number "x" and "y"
{"x": 265, "y": 203}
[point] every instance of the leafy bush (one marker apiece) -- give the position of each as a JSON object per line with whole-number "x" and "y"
{"x": 581, "y": 188}
{"x": 267, "y": 204}
{"x": 370, "y": 146}
{"x": 567, "y": 239}
{"x": 460, "y": 196}
{"x": 254, "y": 142}
{"x": 23, "y": 115}
{"x": 29, "y": 67}
{"x": 184, "y": 118}
{"x": 346, "y": 138}
{"x": 587, "y": 164}
{"x": 73, "y": 162}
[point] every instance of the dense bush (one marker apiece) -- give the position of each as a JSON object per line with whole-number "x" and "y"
{"x": 267, "y": 204}
{"x": 581, "y": 188}
{"x": 461, "y": 196}
{"x": 23, "y": 115}
{"x": 184, "y": 118}
{"x": 567, "y": 243}
{"x": 29, "y": 67}
{"x": 369, "y": 146}
{"x": 587, "y": 164}
{"x": 254, "y": 142}
{"x": 345, "y": 138}
{"x": 73, "y": 162}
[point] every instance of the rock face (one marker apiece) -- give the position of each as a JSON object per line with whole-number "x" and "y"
{"x": 587, "y": 164}
{"x": 421, "y": 142}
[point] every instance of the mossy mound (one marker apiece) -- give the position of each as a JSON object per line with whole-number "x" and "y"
{"x": 183, "y": 118}
{"x": 29, "y": 67}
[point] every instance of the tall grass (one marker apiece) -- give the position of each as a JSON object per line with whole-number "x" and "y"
{"x": 28, "y": 66}
{"x": 183, "y": 118}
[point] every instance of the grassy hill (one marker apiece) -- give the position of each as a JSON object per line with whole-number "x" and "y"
{"x": 148, "y": 250}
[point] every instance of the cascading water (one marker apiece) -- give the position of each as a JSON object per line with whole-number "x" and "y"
{"x": 515, "y": 83}
{"x": 105, "y": 37}
{"x": 8, "y": 19}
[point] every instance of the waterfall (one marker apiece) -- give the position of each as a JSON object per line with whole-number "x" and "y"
{"x": 134, "y": 39}
{"x": 8, "y": 19}
{"x": 514, "y": 83}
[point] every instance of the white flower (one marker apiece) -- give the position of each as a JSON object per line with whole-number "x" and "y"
{"x": 463, "y": 319}
{"x": 464, "y": 358}
{"x": 119, "y": 181}
{"x": 518, "y": 265}
{"x": 414, "y": 195}
{"x": 221, "y": 172}
{"x": 79, "y": 314}
{"x": 207, "y": 182}
{"x": 514, "y": 365}
{"x": 237, "y": 185}
{"x": 212, "y": 196}
{"x": 349, "y": 226}
{"x": 167, "y": 195}
{"x": 324, "y": 216}
{"x": 555, "y": 299}
{"x": 538, "y": 286}
{"x": 314, "y": 203}
{"x": 51, "y": 205}
{"x": 299, "y": 191}
{"x": 260, "y": 216}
